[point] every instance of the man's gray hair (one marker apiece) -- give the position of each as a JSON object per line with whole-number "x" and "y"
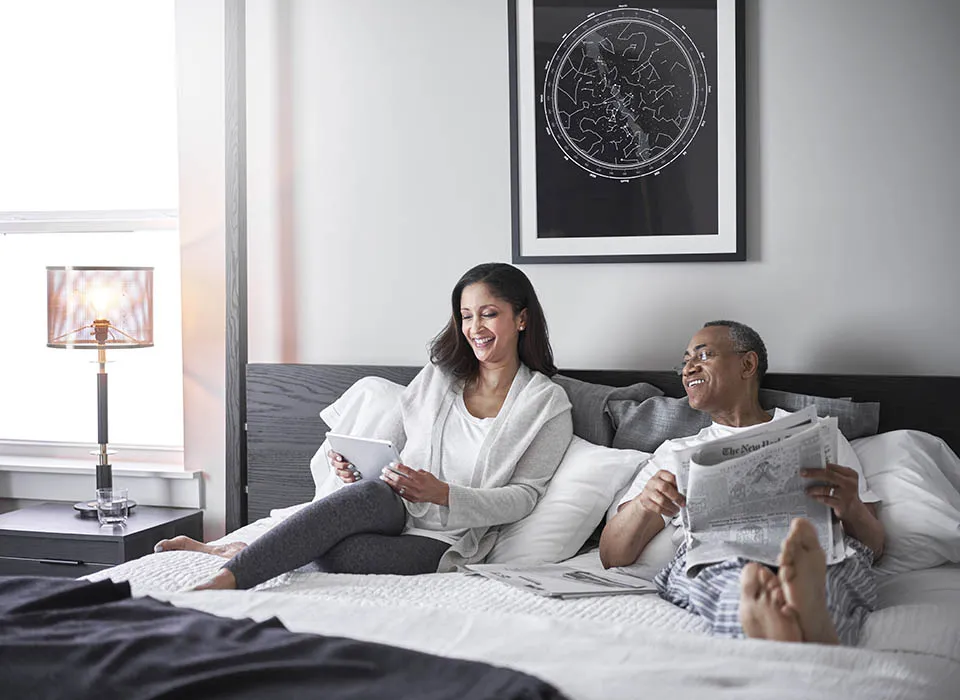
{"x": 745, "y": 339}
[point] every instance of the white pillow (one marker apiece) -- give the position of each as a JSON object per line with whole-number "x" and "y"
{"x": 915, "y": 475}
{"x": 583, "y": 487}
{"x": 363, "y": 410}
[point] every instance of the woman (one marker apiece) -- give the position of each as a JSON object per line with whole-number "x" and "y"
{"x": 480, "y": 432}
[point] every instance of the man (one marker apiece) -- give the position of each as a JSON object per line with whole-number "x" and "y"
{"x": 803, "y": 599}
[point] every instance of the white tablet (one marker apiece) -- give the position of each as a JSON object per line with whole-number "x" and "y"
{"x": 369, "y": 456}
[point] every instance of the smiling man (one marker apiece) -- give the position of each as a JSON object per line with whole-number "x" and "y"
{"x": 802, "y": 600}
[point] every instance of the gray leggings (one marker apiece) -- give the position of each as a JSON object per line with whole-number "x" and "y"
{"x": 355, "y": 530}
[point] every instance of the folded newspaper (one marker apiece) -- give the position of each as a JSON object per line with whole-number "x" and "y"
{"x": 560, "y": 581}
{"x": 743, "y": 491}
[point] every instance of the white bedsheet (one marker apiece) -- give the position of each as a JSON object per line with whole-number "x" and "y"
{"x": 609, "y": 647}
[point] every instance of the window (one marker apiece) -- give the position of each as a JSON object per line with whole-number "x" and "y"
{"x": 89, "y": 105}
{"x": 88, "y": 177}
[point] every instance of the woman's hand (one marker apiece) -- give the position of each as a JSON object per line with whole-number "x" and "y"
{"x": 838, "y": 488}
{"x": 416, "y": 485}
{"x": 346, "y": 472}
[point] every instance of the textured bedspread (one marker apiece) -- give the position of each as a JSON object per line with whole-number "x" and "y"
{"x": 173, "y": 572}
{"x": 609, "y": 647}
{"x": 592, "y": 660}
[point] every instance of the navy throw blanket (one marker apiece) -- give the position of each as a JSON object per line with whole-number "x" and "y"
{"x": 61, "y": 638}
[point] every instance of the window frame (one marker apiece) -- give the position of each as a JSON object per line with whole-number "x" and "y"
{"x": 162, "y": 458}
{"x": 89, "y": 221}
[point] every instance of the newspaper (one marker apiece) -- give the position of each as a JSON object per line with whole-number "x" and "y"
{"x": 743, "y": 491}
{"x": 561, "y": 581}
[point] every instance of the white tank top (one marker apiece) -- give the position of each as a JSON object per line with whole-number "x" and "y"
{"x": 460, "y": 441}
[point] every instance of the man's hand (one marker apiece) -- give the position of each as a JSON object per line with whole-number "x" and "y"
{"x": 416, "y": 485}
{"x": 660, "y": 495}
{"x": 837, "y": 487}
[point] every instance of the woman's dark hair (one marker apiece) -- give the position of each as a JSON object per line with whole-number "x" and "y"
{"x": 450, "y": 350}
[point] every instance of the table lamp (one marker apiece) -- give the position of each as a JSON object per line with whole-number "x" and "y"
{"x": 97, "y": 308}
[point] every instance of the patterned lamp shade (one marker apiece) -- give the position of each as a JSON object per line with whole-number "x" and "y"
{"x": 96, "y": 307}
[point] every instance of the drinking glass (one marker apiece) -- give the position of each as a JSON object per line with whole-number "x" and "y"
{"x": 112, "y": 506}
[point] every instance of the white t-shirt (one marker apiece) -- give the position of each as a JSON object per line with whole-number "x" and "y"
{"x": 463, "y": 434}
{"x": 664, "y": 458}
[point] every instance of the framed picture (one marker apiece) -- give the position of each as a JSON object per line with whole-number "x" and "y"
{"x": 627, "y": 133}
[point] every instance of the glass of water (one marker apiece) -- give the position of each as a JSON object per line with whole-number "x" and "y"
{"x": 112, "y": 506}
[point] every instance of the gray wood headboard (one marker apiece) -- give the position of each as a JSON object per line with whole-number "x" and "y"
{"x": 284, "y": 429}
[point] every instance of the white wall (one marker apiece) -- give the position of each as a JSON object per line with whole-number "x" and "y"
{"x": 200, "y": 124}
{"x": 264, "y": 178}
{"x": 400, "y": 182}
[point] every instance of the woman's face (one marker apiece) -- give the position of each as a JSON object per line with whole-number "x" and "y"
{"x": 490, "y": 326}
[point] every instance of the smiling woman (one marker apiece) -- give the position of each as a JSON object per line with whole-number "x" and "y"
{"x": 481, "y": 431}
{"x": 500, "y": 286}
{"x": 491, "y": 326}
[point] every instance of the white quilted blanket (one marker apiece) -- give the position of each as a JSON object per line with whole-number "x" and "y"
{"x": 173, "y": 572}
{"x": 608, "y": 647}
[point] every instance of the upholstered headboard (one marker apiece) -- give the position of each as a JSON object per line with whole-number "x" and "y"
{"x": 284, "y": 430}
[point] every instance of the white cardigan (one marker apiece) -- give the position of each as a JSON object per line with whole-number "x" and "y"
{"x": 517, "y": 459}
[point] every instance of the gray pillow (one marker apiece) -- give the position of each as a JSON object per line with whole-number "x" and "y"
{"x": 645, "y": 425}
{"x": 590, "y": 420}
{"x": 854, "y": 419}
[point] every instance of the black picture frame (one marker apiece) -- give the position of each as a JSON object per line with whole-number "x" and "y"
{"x": 604, "y": 170}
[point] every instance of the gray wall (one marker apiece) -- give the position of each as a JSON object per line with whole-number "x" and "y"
{"x": 396, "y": 180}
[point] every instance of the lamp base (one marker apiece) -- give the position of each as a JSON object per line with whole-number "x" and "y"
{"x": 88, "y": 509}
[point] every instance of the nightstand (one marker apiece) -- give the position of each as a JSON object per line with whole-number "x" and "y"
{"x": 51, "y": 539}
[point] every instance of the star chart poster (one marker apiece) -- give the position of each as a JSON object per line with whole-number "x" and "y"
{"x": 626, "y": 131}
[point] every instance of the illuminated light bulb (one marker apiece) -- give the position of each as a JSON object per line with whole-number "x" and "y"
{"x": 101, "y": 299}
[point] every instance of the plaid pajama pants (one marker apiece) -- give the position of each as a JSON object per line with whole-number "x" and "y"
{"x": 714, "y": 593}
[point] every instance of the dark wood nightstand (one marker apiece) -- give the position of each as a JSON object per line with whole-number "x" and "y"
{"x": 51, "y": 539}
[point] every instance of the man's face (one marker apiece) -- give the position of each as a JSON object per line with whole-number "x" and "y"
{"x": 713, "y": 372}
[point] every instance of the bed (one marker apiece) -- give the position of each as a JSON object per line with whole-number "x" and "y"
{"x": 610, "y": 647}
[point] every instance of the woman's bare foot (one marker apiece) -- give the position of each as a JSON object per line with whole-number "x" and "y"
{"x": 764, "y": 613}
{"x": 182, "y": 542}
{"x": 223, "y": 581}
{"x": 803, "y": 577}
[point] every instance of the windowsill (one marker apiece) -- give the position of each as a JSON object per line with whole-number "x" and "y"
{"x": 60, "y": 465}
{"x": 31, "y": 477}
{"x": 84, "y": 455}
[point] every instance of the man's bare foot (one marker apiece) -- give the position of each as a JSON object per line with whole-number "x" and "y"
{"x": 764, "y": 613}
{"x": 223, "y": 581}
{"x": 803, "y": 577}
{"x": 182, "y": 542}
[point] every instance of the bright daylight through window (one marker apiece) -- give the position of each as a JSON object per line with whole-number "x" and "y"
{"x": 88, "y": 177}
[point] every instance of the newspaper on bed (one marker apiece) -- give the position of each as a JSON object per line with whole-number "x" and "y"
{"x": 744, "y": 490}
{"x": 561, "y": 581}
